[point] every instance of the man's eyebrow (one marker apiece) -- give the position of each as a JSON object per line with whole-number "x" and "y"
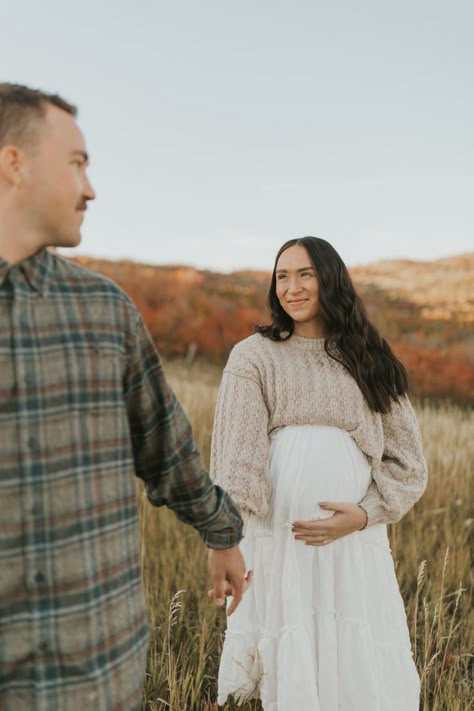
{"x": 83, "y": 154}
{"x": 285, "y": 271}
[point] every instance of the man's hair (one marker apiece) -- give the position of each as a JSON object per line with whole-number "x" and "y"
{"x": 22, "y": 110}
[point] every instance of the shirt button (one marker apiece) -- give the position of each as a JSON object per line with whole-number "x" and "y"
{"x": 39, "y": 578}
{"x": 32, "y": 443}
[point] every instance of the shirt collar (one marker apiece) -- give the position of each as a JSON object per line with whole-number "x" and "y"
{"x": 4, "y": 269}
{"x": 36, "y": 269}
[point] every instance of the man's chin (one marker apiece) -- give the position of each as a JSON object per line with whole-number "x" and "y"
{"x": 68, "y": 241}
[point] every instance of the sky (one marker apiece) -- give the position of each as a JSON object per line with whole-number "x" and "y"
{"x": 219, "y": 129}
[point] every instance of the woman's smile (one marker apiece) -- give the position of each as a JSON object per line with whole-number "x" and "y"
{"x": 296, "y": 302}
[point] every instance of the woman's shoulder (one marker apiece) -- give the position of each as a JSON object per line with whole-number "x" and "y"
{"x": 248, "y": 356}
{"x": 253, "y": 344}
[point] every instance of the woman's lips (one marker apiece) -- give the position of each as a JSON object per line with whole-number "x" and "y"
{"x": 298, "y": 302}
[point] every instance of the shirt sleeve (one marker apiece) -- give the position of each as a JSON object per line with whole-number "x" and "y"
{"x": 240, "y": 442}
{"x": 401, "y": 477}
{"x": 165, "y": 454}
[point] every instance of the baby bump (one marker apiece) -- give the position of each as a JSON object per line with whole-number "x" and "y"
{"x": 309, "y": 464}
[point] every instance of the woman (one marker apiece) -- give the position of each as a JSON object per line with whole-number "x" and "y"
{"x": 317, "y": 442}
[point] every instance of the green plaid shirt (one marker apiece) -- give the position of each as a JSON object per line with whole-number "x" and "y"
{"x": 84, "y": 405}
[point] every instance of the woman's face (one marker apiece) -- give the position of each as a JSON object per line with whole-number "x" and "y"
{"x": 297, "y": 285}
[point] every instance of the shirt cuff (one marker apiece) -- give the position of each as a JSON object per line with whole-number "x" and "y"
{"x": 227, "y": 538}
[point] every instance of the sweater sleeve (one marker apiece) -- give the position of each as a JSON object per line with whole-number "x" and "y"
{"x": 399, "y": 480}
{"x": 240, "y": 444}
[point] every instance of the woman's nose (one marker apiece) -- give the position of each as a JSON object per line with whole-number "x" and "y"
{"x": 294, "y": 286}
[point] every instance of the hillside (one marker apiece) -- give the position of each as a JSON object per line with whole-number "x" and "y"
{"x": 443, "y": 288}
{"x": 425, "y": 309}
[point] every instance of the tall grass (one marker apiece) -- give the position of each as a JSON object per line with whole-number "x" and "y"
{"x": 431, "y": 547}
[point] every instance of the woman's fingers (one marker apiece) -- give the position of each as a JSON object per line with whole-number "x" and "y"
{"x": 339, "y": 507}
{"x": 348, "y": 517}
{"x": 318, "y": 525}
{"x": 315, "y": 541}
{"x": 321, "y": 530}
{"x": 342, "y": 506}
{"x": 315, "y": 537}
{"x": 312, "y": 537}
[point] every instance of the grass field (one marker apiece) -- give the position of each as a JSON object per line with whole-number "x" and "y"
{"x": 431, "y": 547}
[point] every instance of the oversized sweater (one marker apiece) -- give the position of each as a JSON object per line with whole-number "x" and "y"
{"x": 267, "y": 385}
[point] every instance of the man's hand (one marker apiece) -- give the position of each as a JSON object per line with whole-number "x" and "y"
{"x": 227, "y": 569}
{"x": 347, "y": 519}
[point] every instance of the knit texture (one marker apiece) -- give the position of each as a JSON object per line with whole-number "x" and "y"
{"x": 267, "y": 385}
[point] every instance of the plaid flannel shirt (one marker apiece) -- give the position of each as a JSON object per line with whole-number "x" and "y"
{"x": 84, "y": 405}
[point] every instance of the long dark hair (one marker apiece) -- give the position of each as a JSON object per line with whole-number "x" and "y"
{"x": 351, "y": 339}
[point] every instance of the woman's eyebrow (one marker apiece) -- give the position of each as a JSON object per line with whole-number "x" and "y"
{"x": 285, "y": 271}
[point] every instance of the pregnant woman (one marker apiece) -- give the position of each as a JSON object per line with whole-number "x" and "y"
{"x": 317, "y": 442}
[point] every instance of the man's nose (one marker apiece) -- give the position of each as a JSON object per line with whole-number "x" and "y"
{"x": 88, "y": 190}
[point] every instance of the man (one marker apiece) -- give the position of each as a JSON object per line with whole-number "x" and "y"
{"x": 84, "y": 404}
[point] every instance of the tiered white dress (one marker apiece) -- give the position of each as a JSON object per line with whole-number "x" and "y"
{"x": 321, "y": 628}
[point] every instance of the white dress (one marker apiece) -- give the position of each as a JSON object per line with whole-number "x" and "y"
{"x": 321, "y": 628}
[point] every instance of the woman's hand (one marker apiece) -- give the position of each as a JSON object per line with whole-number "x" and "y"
{"x": 347, "y": 519}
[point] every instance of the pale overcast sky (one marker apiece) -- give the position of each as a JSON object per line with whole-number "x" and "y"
{"x": 218, "y": 129}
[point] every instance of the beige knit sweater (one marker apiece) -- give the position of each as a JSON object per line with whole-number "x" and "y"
{"x": 267, "y": 385}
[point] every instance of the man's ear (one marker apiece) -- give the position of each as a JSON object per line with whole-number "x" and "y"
{"x": 12, "y": 165}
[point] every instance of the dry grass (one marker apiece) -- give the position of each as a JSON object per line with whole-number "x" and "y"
{"x": 431, "y": 547}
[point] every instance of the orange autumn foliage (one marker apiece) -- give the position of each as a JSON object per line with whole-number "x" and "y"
{"x": 194, "y": 312}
